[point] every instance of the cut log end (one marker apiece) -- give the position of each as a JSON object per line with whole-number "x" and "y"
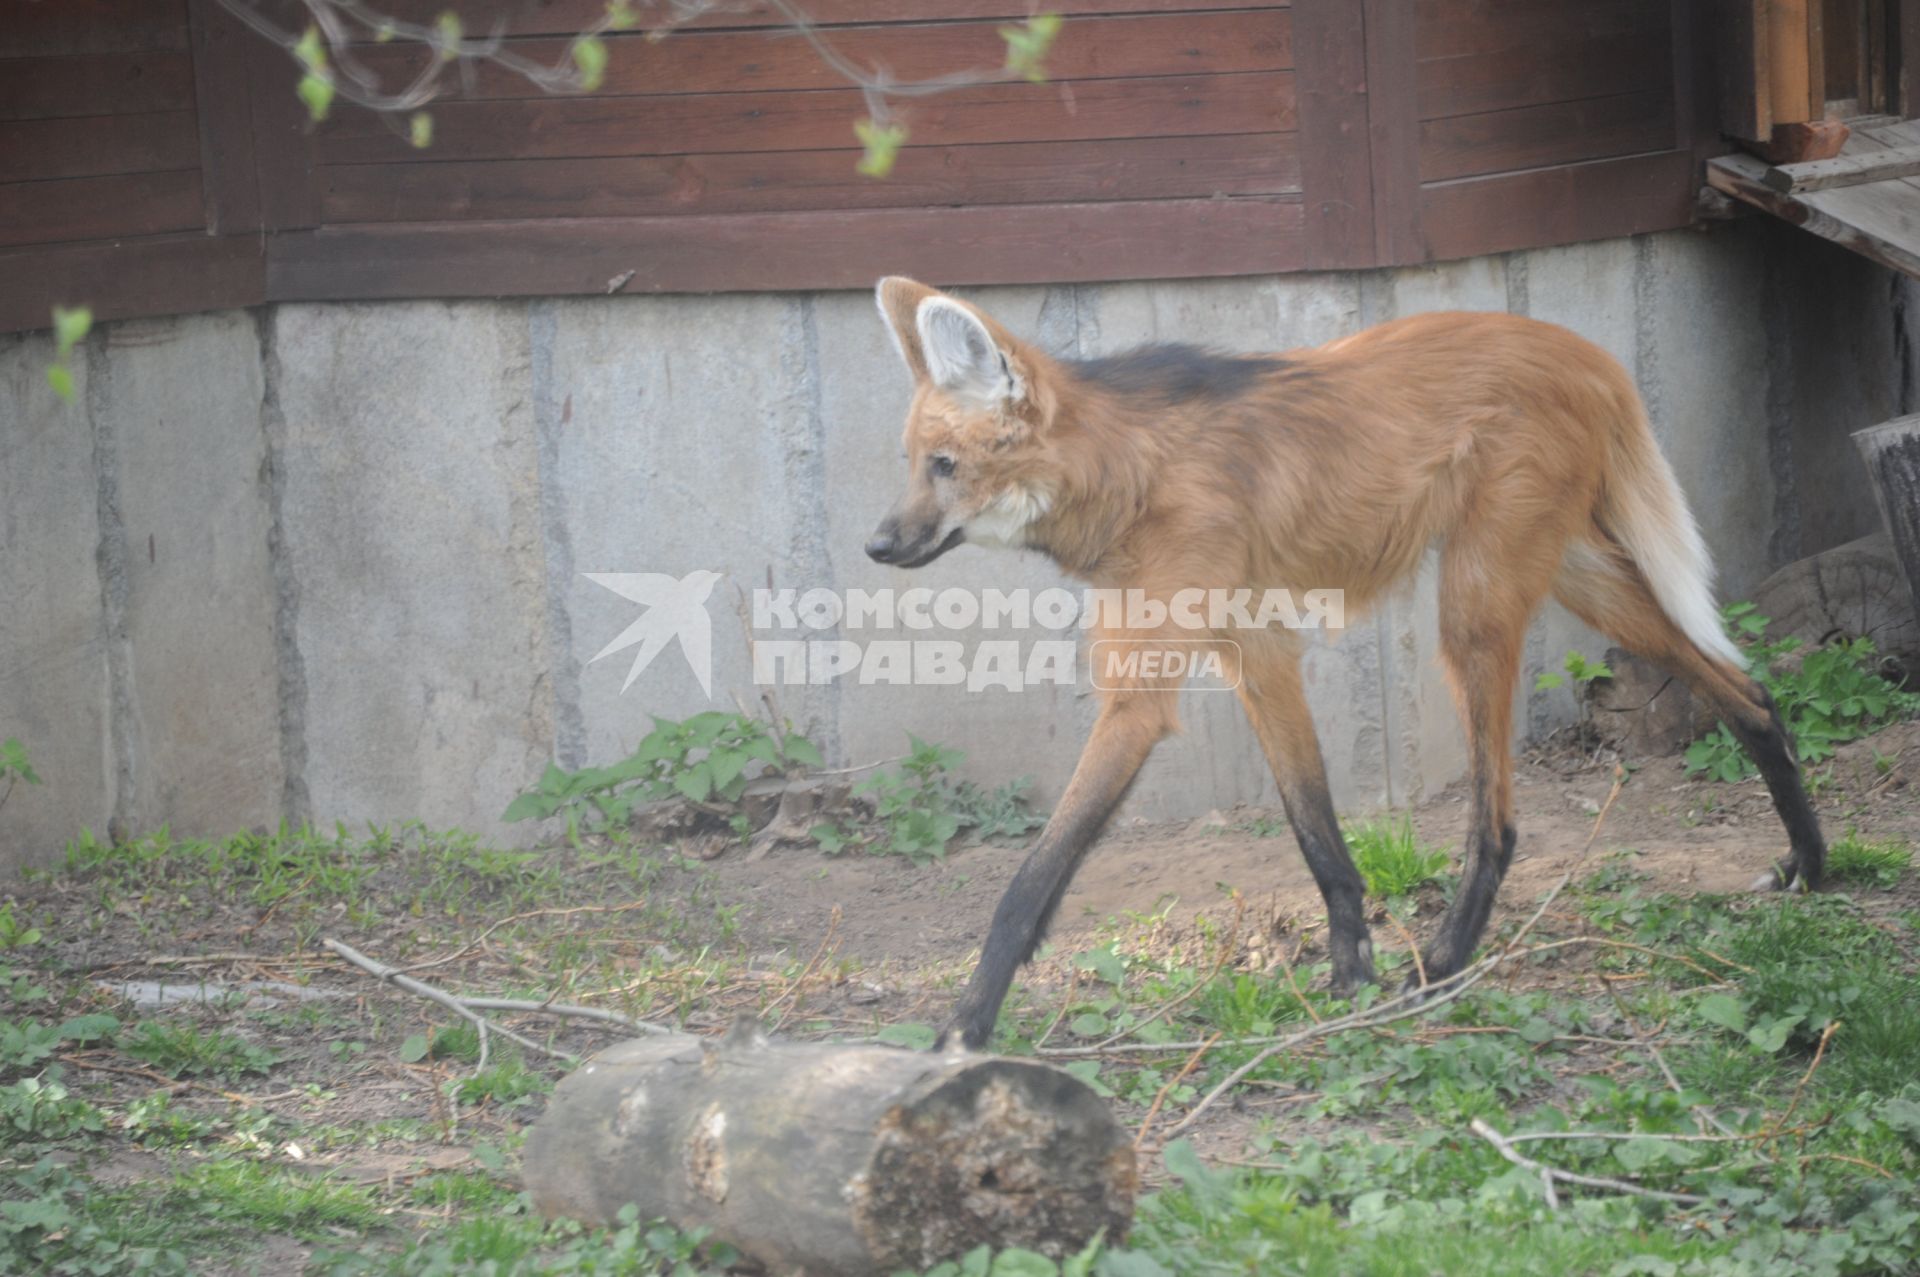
{"x": 1001, "y": 1153}
{"x": 842, "y": 1159}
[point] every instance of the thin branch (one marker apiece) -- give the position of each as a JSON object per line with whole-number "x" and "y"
{"x": 1419, "y": 1001}
{"x": 381, "y": 971}
{"x": 1548, "y": 1174}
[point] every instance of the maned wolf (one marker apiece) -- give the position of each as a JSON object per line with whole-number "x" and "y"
{"x": 1518, "y": 449}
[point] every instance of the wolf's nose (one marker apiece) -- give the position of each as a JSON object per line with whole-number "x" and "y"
{"x": 881, "y": 547}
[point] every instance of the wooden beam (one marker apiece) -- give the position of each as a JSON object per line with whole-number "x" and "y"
{"x": 128, "y": 278}
{"x": 1867, "y": 220}
{"x": 1331, "y": 101}
{"x": 1788, "y": 76}
{"x": 1843, "y": 170}
{"x": 753, "y": 252}
{"x": 1393, "y": 129}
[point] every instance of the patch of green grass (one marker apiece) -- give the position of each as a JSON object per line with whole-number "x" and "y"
{"x": 181, "y": 1050}
{"x": 1391, "y": 857}
{"x": 514, "y": 1240}
{"x": 1866, "y": 863}
{"x": 505, "y": 1081}
{"x": 460, "y": 1190}
{"x": 270, "y": 1198}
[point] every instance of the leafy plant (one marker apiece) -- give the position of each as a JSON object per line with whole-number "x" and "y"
{"x": 1391, "y": 857}
{"x": 708, "y": 759}
{"x": 920, "y": 809}
{"x": 1578, "y": 668}
{"x": 1835, "y": 695}
{"x": 36, "y": 1109}
{"x": 26, "y": 1044}
{"x": 14, "y": 933}
{"x": 70, "y": 328}
{"x": 15, "y": 767}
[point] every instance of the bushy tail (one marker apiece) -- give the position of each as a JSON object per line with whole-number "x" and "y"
{"x": 1644, "y": 510}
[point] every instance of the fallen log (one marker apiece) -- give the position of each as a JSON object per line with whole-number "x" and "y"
{"x": 834, "y": 1160}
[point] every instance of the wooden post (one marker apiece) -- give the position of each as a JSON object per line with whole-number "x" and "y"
{"x": 829, "y": 1159}
{"x": 1892, "y": 453}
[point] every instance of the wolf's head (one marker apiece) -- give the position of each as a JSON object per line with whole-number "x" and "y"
{"x": 980, "y": 404}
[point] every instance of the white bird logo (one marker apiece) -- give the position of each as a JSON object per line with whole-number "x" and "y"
{"x": 676, "y": 609}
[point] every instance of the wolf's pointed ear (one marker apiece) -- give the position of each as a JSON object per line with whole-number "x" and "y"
{"x": 963, "y": 358}
{"x": 898, "y": 298}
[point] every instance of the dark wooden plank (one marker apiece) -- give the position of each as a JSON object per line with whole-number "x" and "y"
{"x": 1018, "y": 173}
{"x": 122, "y": 279}
{"x": 283, "y": 141}
{"x": 1735, "y": 31}
{"x": 568, "y": 17}
{"x": 1905, "y": 42}
{"x": 41, "y": 28}
{"x": 223, "y": 49}
{"x": 99, "y": 207}
{"x": 1535, "y": 136}
{"x": 1559, "y": 70}
{"x": 1471, "y": 28}
{"x": 110, "y": 84}
{"x": 710, "y": 123}
{"x": 1336, "y": 162}
{"x": 1890, "y": 236}
{"x": 756, "y": 61}
{"x": 1603, "y": 199}
{"x": 98, "y": 146}
{"x": 1035, "y": 243}
{"x": 1393, "y": 131}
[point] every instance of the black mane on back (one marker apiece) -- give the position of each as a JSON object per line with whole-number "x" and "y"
{"x": 1175, "y": 373}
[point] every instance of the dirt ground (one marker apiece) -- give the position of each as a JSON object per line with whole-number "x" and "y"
{"x": 814, "y": 945}
{"x": 1687, "y": 836}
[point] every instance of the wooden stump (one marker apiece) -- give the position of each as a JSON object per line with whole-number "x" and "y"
{"x": 831, "y": 1160}
{"x": 1892, "y": 453}
{"x": 1856, "y": 590}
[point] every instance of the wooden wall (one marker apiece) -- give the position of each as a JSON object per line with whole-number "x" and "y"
{"x": 153, "y": 156}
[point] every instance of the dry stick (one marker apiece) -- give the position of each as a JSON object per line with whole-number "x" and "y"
{"x": 481, "y": 939}
{"x": 1418, "y": 1001}
{"x": 1548, "y": 1174}
{"x": 1652, "y": 1047}
{"x": 154, "y": 1075}
{"x": 1286, "y": 965}
{"x": 1160, "y": 1097}
{"x": 563, "y": 1009}
{"x": 793, "y": 990}
{"x": 1066, "y": 1004}
{"x": 1419, "y": 964}
{"x": 1219, "y": 963}
{"x": 382, "y": 971}
{"x": 1818, "y": 1052}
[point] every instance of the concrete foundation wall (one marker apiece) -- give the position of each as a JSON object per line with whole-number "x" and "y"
{"x": 327, "y": 562}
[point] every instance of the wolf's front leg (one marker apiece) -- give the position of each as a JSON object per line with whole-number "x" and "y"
{"x": 1126, "y": 732}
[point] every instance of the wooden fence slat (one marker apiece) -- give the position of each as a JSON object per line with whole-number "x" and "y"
{"x": 43, "y": 28}
{"x": 1538, "y": 136}
{"x": 111, "y": 84}
{"x": 223, "y": 50}
{"x": 1336, "y": 160}
{"x": 1013, "y": 173}
{"x": 1033, "y": 243}
{"x": 568, "y": 17}
{"x": 1393, "y": 132}
{"x": 126, "y": 278}
{"x": 98, "y": 146}
{"x": 755, "y": 61}
{"x": 708, "y": 123}
{"x": 1603, "y": 199}
{"x": 84, "y": 208}
{"x": 1559, "y": 70}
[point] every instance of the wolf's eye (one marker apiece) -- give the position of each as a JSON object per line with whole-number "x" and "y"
{"x": 942, "y": 465}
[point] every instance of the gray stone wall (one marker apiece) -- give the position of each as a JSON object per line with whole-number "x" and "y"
{"x": 327, "y": 562}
